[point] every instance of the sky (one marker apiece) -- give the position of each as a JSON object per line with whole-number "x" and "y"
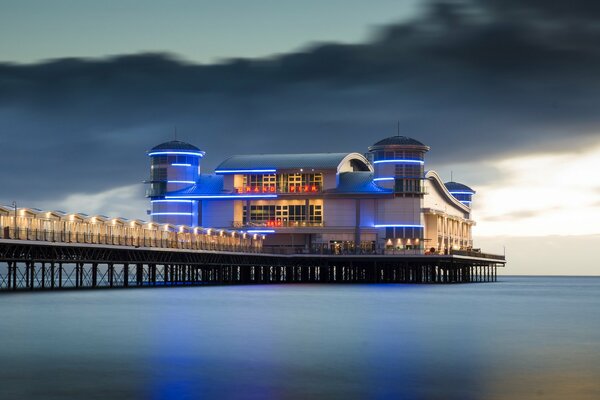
{"x": 506, "y": 93}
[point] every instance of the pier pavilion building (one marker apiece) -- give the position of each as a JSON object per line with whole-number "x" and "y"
{"x": 380, "y": 201}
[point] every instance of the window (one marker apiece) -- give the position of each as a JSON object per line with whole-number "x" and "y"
{"x": 315, "y": 213}
{"x": 284, "y": 214}
{"x": 260, "y": 213}
{"x": 260, "y": 183}
{"x": 158, "y": 173}
{"x": 409, "y": 170}
{"x": 282, "y": 183}
{"x": 409, "y": 186}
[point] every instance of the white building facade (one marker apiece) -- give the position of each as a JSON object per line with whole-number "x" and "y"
{"x": 383, "y": 201}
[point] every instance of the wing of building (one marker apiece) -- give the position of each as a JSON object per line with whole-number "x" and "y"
{"x": 383, "y": 201}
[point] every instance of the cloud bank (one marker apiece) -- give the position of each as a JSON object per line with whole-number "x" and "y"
{"x": 476, "y": 80}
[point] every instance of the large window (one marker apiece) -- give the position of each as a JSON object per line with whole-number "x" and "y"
{"x": 409, "y": 186}
{"x": 260, "y": 183}
{"x": 261, "y": 214}
{"x": 409, "y": 171}
{"x": 284, "y": 215}
{"x": 282, "y": 183}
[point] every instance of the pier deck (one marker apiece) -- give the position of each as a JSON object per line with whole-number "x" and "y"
{"x": 42, "y": 265}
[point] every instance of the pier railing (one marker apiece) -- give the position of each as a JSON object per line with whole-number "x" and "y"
{"x": 472, "y": 253}
{"x": 126, "y": 233}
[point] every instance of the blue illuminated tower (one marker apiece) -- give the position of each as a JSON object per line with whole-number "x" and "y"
{"x": 462, "y": 192}
{"x": 174, "y": 165}
{"x": 399, "y": 164}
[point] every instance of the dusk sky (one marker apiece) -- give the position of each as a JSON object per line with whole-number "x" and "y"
{"x": 506, "y": 93}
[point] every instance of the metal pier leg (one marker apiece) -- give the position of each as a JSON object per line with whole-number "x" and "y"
{"x": 43, "y": 275}
{"x": 111, "y": 274}
{"x": 60, "y": 275}
{"x": 94, "y": 275}
{"x": 125, "y": 275}
{"x": 139, "y": 274}
{"x": 52, "y": 275}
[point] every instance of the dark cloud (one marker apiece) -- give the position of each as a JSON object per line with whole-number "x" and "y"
{"x": 475, "y": 80}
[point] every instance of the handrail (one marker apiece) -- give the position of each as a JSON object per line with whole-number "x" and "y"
{"x": 472, "y": 253}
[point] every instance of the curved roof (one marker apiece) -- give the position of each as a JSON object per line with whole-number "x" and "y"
{"x": 175, "y": 145}
{"x": 399, "y": 141}
{"x": 435, "y": 178}
{"x": 359, "y": 182}
{"x": 458, "y": 187}
{"x": 285, "y": 161}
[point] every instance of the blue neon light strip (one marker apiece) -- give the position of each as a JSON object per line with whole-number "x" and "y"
{"x": 397, "y": 226}
{"x": 406, "y": 161}
{"x": 469, "y": 193}
{"x": 181, "y": 165}
{"x": 384, "y": 179}
{"x": 192, "y": 182}
{"x": 170, "y": 153}
{"x": 172, "y": 213}
{"x": 243, "y": 171}
{"x": 261, "y": 231}
{"x": 226, "y": 196}
{"x": 171, "y": 201}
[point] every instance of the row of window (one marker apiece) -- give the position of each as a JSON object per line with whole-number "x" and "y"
{"x": 282, "y": 183}
{"x": 183, "y": 172}
{"x": 284, "y": 213}
{"x": 409, "y": 170}
{"x": 398, "y": 155}
{"x": 404, "y": 233}
{"x": 175, "y": 159}
{"x": 409, "y": 186}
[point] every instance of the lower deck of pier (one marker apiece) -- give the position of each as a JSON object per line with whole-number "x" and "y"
{"x": 43, "y": 275}
{"x": 42, "y": 266}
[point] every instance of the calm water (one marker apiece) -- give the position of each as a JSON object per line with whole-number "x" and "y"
{"x": 522, "y": 338}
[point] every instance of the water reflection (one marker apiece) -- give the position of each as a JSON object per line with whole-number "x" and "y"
{"x": 521, "y": 338}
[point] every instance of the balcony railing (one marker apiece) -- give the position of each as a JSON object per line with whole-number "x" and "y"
{"x": 479, "y": 254}
{"x": 276, "y": 224}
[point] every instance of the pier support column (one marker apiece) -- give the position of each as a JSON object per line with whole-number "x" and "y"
{"x": 125, "y": 275}
{"x": 94, "y": 275}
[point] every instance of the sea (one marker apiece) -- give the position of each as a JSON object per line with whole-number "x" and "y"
{"x": 518, "y": 338}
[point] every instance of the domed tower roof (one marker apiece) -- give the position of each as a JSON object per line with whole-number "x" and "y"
{"x": 458, "y": 187}
{"x": 400, "y": 141}
{"x": 175, "y": 145}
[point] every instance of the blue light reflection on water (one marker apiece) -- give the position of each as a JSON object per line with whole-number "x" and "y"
{"x": 520, "y": 338}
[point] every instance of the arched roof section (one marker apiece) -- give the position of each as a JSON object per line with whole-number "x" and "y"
{"x": 341, "y": 162}
{"x": 458, "y": 187}
{"x": 354, "y": 162}
{"x": 437, "y": 181}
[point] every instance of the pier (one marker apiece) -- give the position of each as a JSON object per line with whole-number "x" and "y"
{"x": 71, "y": 252}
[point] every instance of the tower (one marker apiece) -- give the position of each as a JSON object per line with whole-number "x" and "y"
{"x": 399, "y": 163}
{"x": 174, "y": 165}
